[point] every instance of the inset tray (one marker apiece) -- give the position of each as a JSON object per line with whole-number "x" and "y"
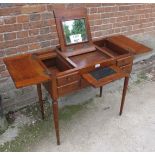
{"x": 85, "y": 59}
{"x": 103, "y": 75}
{"x": 102, "y": 72}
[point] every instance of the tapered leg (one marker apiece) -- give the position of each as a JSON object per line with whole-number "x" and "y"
{"x": 126, "y": 80}
{"x": 56, "y": 121}
{"x": 40, "y": 99}
{"x": 101, "y": 91}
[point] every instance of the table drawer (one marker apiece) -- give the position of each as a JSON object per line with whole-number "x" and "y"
{"x": 68, "y": 88}
{"x": 63, "y": 80}
{"x": 124, "y": 61}
{"x": 127, "y": 68}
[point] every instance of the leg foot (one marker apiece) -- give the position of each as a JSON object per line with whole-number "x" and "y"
{"x": 56, "y": 121}
{"x": 101, "y": 91}
{"x": 40, "y": 99}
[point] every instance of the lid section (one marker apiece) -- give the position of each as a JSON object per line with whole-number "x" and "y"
{"x": 129, "y": 44}
{"x": 25, "y": 70}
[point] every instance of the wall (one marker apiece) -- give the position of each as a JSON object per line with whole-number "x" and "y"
{"x": 31, "y": 28}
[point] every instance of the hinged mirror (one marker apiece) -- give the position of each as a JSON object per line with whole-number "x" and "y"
{"x": 73, "y": 29}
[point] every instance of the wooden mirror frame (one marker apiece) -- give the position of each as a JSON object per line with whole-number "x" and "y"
{"x": 71, "y": 14}
{"x": 82, "y": 19}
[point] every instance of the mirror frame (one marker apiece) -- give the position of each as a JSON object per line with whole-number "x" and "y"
{"x": 65, "y": 36}
{"x": 64, "y": 14}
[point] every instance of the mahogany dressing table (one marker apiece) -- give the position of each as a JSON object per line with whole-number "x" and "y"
{"x": 77, "y": 63}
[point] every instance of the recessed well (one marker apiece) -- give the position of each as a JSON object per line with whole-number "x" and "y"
{"x": 56, "y": 65}
{"x": 110, "y": 47}
{"x": 82, "y": 60}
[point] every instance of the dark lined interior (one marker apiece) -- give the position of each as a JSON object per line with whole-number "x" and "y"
{"x": 102, "y": 72}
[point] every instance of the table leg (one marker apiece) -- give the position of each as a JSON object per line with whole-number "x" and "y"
{"x": 56, "y": 120}
{"x": 126, "y": 81}
{"x": 101, "y": 91}
{"x": 40, "y": 99}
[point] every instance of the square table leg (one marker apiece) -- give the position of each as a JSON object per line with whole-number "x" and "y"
{"x": 56, "y": 120}
{"x": 101, "y": 91}
{"x": 40, "y": 99}
{"x": 126, "y": 81}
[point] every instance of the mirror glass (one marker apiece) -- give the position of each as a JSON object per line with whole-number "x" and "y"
{"x": 74, "y": 31}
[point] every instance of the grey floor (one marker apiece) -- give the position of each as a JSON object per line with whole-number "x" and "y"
{"x": 99, "y": 127}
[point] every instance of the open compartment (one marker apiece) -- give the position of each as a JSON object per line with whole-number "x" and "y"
{"x": 56, "y": 64}
{"x": 111, "y": 48}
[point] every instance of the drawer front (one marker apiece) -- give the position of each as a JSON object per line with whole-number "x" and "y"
{"x": 63, "y": 80}
{"x": 68, "y": 88}
{"x": 127, "y": 68}
{"x": 124, "y": 61}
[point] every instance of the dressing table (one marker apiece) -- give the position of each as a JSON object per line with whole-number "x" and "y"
{"x": 78, "y": 61}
